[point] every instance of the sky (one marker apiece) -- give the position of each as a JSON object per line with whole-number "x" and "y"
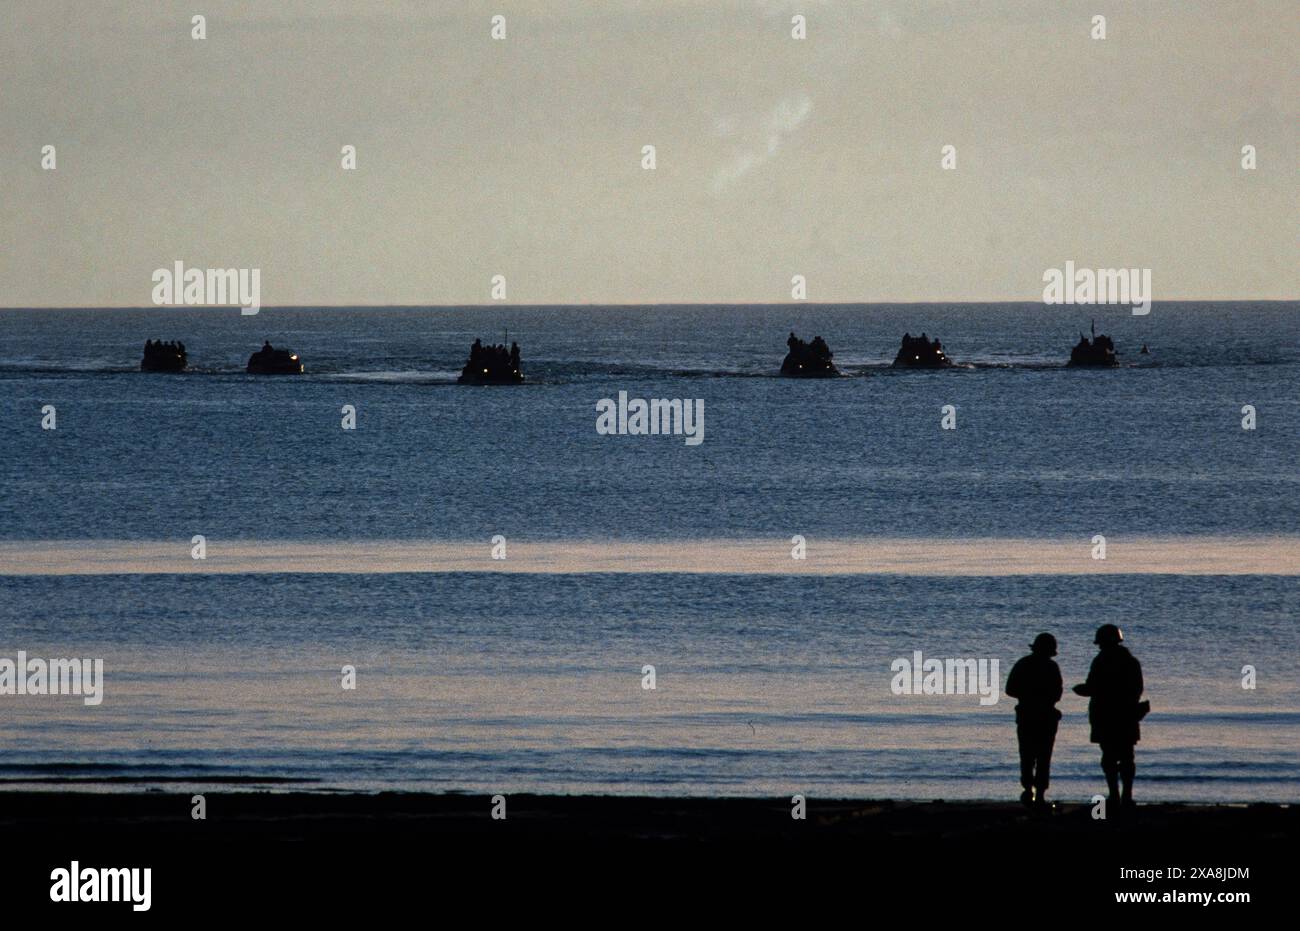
{"x": 522, "y": 157}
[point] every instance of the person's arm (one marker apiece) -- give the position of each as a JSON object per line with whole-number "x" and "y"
{"x": 1013, "y": 681}
{"x": 1085, "y": 688}
{"x": 1058, "y": 686}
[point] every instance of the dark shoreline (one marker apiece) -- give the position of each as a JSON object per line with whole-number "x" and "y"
{"x": 670, "y": 817}
{"x": 261, "y": 842}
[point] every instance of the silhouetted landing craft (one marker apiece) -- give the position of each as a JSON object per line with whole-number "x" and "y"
{"x": 808, "y": 360}
{"x": 1099, "y": 353}
{"x": 492, "y": 365}
{"x": 918, "y": 352}
{"x": 271, "y": 361}
{"x": 163, "y": 357}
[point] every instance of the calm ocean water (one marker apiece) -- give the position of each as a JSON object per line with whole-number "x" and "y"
{"x": 487, "y": 682}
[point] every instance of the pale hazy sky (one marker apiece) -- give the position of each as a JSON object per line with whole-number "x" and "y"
{"x": 522, "y": 157}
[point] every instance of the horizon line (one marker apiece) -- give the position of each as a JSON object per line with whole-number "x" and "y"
{"x": 622, "y": 304}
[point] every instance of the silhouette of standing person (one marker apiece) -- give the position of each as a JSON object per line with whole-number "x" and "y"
{"x": 1114, "y": 689}
{"x": 1036, "y": 681}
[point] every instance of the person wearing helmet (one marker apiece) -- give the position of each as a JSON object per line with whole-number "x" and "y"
{"x": 1035, "y": 680}
{"x": 1114, "y": 690}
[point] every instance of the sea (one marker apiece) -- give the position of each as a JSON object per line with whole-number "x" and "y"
{"x": 577, "y": 672}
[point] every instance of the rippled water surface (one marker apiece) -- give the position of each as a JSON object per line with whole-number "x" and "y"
{"x": 765, "y": 683}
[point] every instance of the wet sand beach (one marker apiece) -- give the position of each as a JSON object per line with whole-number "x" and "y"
{"x": 580, "y": 846}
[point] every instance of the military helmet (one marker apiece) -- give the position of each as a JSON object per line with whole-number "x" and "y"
{"x": 1044, "y": 643}
{"x": 1108, "y": 635}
